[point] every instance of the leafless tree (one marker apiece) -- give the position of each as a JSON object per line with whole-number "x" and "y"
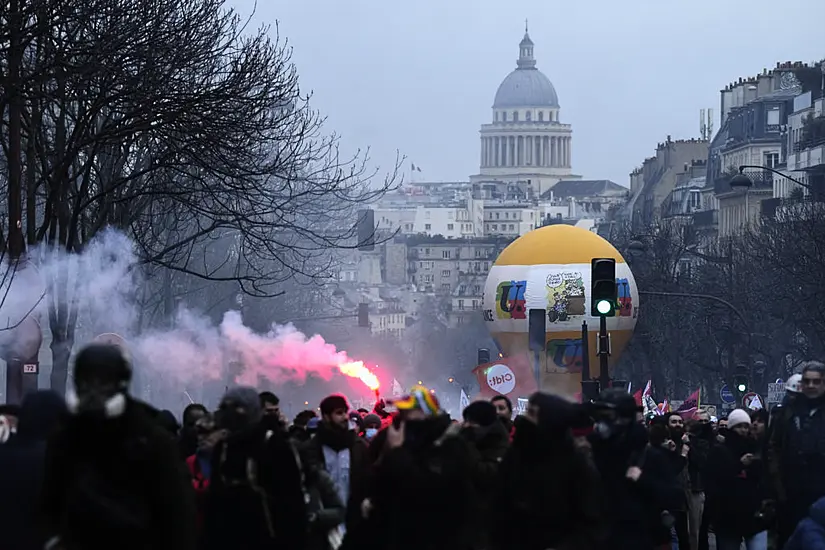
{"x": 173, "y": 121}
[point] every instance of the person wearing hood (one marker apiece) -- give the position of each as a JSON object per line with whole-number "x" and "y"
{"x": 549, "y": 493}
{"x": 337, "y": 449}
{"x": 796, "y": 450}
{"x": 734, "y": 488}
{"x": 488, "y": 440}
{"x": 113, "y": 476}
{"x": 21, "y": 470}
{"x": 423, "y": 492}
{"x": 372, "y": 425}
{"x": 256, "y": 498}
{"x": 810, "y": 532}
{"x": 619, "y": 446}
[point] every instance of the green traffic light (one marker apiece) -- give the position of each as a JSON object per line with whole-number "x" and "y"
{"x": 604, "y": 307}
{"x": 742, "y": 388}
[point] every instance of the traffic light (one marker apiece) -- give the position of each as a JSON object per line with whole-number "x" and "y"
{"x": 364, "y": 315}
{"x": 483, "y": 356}
{"x": 740, "y": 380}
{"x": 603, "y": 290}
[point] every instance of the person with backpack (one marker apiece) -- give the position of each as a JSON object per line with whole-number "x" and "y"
{"x": 112, "y": 476}
{"x": 256, "y": 500}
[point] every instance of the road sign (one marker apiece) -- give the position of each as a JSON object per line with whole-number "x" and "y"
{"x": 776, "y": 392}
{"x": 30, "y": 368}
{"x": 752, "y": 401}
{"x": 726, "y": 395}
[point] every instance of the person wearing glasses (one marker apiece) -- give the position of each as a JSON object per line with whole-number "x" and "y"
{"x": 796, "y": 451}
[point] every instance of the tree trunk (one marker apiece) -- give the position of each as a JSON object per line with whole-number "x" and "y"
{"x": 61, "y": 352}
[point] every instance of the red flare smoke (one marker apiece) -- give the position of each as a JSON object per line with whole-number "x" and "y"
{"x": 357, "y": 369}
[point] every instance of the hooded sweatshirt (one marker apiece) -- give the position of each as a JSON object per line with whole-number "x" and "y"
{"x": 21, "y": 470}
{"x": 810, "y": 533}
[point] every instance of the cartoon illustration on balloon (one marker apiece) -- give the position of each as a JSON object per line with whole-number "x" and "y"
{"x": 549, "y": 269}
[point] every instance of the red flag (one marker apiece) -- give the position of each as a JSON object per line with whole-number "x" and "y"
{"x": 638, "y": 397}
{"x": 511, "y": 376}
{"x": 689, "y": 407}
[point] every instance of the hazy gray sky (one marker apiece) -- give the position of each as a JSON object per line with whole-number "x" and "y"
{"x": 420, "y": 77}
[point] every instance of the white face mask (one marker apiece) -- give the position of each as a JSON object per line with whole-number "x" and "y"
{"x": 113, "y": 407}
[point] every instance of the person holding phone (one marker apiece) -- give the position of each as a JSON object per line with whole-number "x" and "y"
{"x": 734, "y": 486}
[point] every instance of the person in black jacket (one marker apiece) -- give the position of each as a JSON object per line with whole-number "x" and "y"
{"x": 21, "y": 470}
{"x": 255, "y": 499}
{"x": 113, "y": 477}
{"x": 549, "y": 493}
{"x": 734, "y": 486}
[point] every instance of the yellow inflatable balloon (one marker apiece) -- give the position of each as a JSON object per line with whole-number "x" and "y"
{"x": 549, "y": 269}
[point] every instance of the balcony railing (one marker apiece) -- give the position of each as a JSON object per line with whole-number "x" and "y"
{"x": 810, "y": 143}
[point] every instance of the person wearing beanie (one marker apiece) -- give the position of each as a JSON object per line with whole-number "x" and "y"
{"x": 337, "y": 450}
{"x": 372, "y": 425}
{"x": 733, "y": 487}
{"x": 488, "y": 440}
{"x": 112, "y": 474}
{"x": 252, "y": 466}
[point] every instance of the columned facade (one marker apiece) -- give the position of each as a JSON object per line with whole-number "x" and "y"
{"x": 526, "y": 142}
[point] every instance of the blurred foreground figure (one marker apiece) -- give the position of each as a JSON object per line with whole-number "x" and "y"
{"x": 255, "y": 499}
{"x": 113, "y": 477}
{"x": 550, "y": 495}
{"x": 21, "y": 470}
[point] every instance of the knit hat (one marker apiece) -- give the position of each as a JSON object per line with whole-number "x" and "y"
{"x": 737, "y": 417}
{"x": 334, "y": 402}
{"x": 419, "y": 398}
{"x": 482, "y": 413}
{"x": 372, "y": 420}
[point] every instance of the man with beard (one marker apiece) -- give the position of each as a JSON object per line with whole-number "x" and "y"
{"x": 618, "y": 444}
{"x": 113, "y": 477}
{"x": 504, "y": 409}
{"x": 272, "y": 418}
{"x": 550, "y": 495}
{"x": 423, "y": 493}
{"x": 255, "y": 499}
{"x": 337, "y": 449}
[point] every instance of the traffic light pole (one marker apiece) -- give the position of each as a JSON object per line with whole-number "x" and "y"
{"x": 604, "y": 353}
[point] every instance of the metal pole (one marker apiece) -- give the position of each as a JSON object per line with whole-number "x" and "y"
{"x": 537, "y": 368}
{"x": 585, "y": 353}
{"x": 604, "y": 353}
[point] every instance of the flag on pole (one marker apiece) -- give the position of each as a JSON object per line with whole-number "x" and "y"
{"x": 397, "y": 390}
{"x": 463, "y": 401}
{"x": 690, "y": 405}
{"x": 629, "y": 386}
{"x": 412, "y": 167}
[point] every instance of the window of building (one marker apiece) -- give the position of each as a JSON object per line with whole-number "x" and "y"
{"x": 459, "y": 320}
{"x": 506, "y": 215}
{"x": 427, "y": 214}
{"x": 541, "y": 119}
{"x": 475, "y": 304}
{"x": 450, "y": 214}
{"x": 512, "y": 228}
{"x": 773, "y": 117}
{"x": 504, "y": 117}
{"x": 445, "y": 287}
{"x": 495, "y": 227}
{"x": 771, "y": 160}
{"x": 496, "y": 117}
{"x": 461, "y": 304}
{"x": 447, "y": 254}
{"x": 528, "y": 115}
{"x": 445, "y": 272}
{"x": 449, "y": 227}
{"x": 426, "y": 251}
{"x": 515, "y": 116}
{"x": 428, "y": 227}
{"x": 498, "y": 215}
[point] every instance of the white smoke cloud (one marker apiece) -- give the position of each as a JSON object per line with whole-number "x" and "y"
{"x": 104, "y": 281}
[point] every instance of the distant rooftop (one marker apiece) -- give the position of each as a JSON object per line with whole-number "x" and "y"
{"x": 584, "y": 188}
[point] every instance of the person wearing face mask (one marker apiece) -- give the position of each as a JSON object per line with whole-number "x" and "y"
{"x": 112, "y": 475}
{"x": 337, "y": 449}
{"x": 422, "y": 495}
{"x": 549, "y": 493}
{"x": 256, "y": 498}
{"x": 619, "y": 447}
{"x": 372, "y": 425}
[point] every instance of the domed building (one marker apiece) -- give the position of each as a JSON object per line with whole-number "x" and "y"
{"x": 526, "y": 144}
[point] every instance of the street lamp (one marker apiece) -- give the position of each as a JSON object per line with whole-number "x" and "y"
{"x": 451, "y": 380}
{"x": 742, "y": 180}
